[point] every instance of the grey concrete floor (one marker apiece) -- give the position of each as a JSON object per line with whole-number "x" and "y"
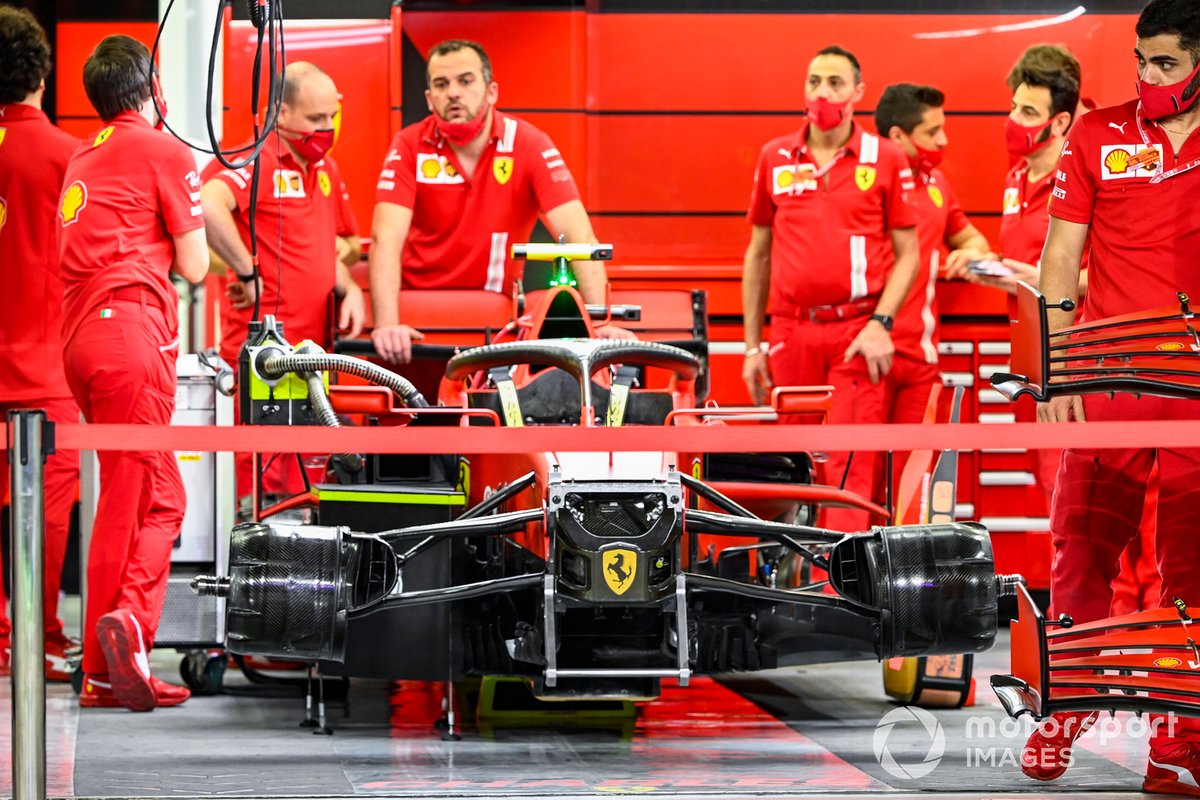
{"x": 784, "y": 733}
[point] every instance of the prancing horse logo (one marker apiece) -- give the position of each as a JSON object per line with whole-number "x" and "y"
{"x": 619, "y": 568}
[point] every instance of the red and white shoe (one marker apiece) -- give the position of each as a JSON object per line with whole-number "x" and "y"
{"x": 124, "y": 649}
{"x": 60, "y": 651}
{"x": 97, "y": 692}
{"x": 1173, "y": 768}
{"x": 169, "y": 694}
{"x": 1047, "y": 753}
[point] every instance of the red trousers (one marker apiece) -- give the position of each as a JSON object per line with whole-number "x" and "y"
{"x": 122, "y": 370}
{"x": 1099, "y": 503}
{"x": 61, "y": 486}
{"x": 1043, "y": 463}
{"x": 910, "y": 384}
{"x": 1137, "y": 587}
{"x": 812, "y": 354}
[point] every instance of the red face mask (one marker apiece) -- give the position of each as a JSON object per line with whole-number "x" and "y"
{"x": 1166, "y": 101}
{"x": 1024, "y": 140}
{"x": 824, "y": 114}
{"x": 462, "y": 133}
{"x": 925, "y": 161}
{"x": 311, "y": 146}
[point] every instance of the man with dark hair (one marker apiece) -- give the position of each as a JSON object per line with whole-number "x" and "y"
{"x": 128, "y": 215}
{"x": 912, "y": 117}
{"x": 833, "y": 249}
{"x": 303, "y": 211}
{"x": 1127, "y": 179}
{"x": 1045, "y": 82}
{"x": 33, "y": 159}
{"x": 458, "y": 189}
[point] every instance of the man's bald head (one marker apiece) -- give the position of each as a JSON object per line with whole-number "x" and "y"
{"x": 300, "y": 73}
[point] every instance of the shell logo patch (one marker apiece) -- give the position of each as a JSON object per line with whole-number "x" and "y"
{"x": 620, "y": 566}
{"x": 864, "y": 177}
{"x": 289, "y": 183}
{"x": 1117, "y": 161}
{"x": 3, "y": 212}
{"x": 1169, "y": 347}
{"x": 324, "y": 182}
{"x": 502, "y": 169}
{"x": 434, "y": 168}
{"x": 73, "y": 201}
{"x": 1167, "y": 662}
{"x": 1122, "y": 161}
{"x": 935, "y": 194}
{"x": 793, "y": 179}
{"x": 103, "y": 135}
{"x": 1012, "y": 200}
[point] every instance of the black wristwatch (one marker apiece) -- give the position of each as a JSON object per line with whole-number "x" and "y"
{"x": 883, "y": 319}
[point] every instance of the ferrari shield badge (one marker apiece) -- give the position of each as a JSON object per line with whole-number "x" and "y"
{"x": 864, "y": 177}
{"x": 502, "y": 169}
{"x": 619, "y": 568}
{"x": 935, "y": 194}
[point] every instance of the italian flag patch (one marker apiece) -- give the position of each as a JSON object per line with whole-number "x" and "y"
{"x": 105, "y": 313}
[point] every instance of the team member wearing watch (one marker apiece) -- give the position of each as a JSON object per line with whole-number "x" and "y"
{"x": 303, "y": 211}
{"x": 912, "y": 117}
{"x": 832, "y": 255}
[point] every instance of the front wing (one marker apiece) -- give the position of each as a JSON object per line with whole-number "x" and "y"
{"x": 1147, "y": 661}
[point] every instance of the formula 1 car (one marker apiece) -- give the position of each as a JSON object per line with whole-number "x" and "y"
{"x": 590, "y": 575}
{"x": 1146, "y": 661}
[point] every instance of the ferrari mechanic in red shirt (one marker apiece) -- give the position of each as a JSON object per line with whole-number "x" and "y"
{"x": 458, "y": 189}
{"x": 33, "y": 158}
{"x": 834, "y": 250}
{"x": 303, "y": 213}
{"x": 1045, "y": 83}
{"x": 128, "y": 215}
{"x": 1128, "y": 177}
{"x": 912, "y": 117}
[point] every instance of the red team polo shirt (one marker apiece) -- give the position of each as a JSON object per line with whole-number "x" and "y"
{"x": 1110, "y": 179}
{"x": 313, "y": 208}
{"x": 111, "y": 231}
{"x": 940, "y": 216}
{"x": 463, "y": 226}
{"x": 33, "y": 160}
{"x": 831, "y": 242}
{"x": 1026, "y": 214}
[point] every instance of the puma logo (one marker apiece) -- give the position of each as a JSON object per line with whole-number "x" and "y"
{"x": 140, "y": 657}
{"x": 1120, "y": 127}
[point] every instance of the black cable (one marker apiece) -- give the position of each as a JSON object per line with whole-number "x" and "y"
{"x": 269, "y": 26}
{"x": 215, "y": 150}
{"x": 279, "y": 235}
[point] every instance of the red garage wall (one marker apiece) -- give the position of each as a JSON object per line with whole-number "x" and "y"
{"x": 661, "y": 115}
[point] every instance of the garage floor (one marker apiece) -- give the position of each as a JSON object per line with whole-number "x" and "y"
{"x": 781, "y": 734}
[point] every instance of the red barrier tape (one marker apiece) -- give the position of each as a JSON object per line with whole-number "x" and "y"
{"x": 714, "y": 439}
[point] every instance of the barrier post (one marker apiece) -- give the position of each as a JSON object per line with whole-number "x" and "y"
{"x": 27, "y": 449}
